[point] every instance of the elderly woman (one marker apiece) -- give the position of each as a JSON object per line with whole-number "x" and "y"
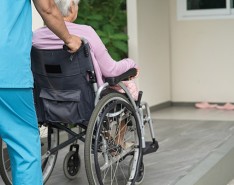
{"x": 104, "y": 65}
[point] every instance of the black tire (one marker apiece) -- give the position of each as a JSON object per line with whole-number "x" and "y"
{"x": 4, "y": 163}
{"x": 49, "y": 142}
{"x": 101, "y": 148}
{"x": 141, "y": 173}
{"x": 71, "y": 165}
{"x": 49, "y": 139}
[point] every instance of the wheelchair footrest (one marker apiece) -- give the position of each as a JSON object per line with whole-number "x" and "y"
{"x": 150, "y": 147}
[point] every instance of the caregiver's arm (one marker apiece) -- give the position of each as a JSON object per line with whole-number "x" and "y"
{"x": 54, "y": 20}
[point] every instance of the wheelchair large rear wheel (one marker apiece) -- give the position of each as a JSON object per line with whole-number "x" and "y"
{"x": 49, "y": 139}
{"x": 113, "y": 145}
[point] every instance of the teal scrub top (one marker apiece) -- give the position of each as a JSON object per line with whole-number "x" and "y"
{"x": 15, "y": 44}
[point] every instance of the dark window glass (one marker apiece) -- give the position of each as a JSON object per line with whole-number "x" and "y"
{"x": 205, "y": 4}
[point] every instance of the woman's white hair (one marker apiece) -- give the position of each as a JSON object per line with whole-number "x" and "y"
{"x": 64, "y": 5}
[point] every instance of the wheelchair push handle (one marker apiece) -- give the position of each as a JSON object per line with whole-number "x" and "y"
{"x": 83, "y": 47}
{"x": 66, "y": 48}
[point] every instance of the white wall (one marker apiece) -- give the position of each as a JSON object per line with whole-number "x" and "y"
{"x": 202, "y": 59}
{"x": 37, "y": 21}
{"x": 148, "y": 29}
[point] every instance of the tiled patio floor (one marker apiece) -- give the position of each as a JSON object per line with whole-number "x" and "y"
{"x": 184, "y": 143}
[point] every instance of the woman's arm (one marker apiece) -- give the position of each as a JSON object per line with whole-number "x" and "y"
{"x": 54, "y": 20}
{"x": 109, "y": 67}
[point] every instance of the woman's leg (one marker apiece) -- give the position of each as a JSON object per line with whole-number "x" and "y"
{"x": 19, "y": 129}
{"x": 122, "y": 128}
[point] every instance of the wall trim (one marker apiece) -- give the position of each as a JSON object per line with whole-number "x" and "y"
{"x": 161, "y": 106}
{"x": 167, "y": 104}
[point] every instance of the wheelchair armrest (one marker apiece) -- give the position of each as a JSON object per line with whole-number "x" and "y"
{"x": 123, "y": 77}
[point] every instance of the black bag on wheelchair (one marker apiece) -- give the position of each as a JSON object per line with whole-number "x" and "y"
{"x": 63, "y": 90}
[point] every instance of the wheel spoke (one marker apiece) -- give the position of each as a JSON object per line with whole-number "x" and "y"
{"x": 115, "y": 125}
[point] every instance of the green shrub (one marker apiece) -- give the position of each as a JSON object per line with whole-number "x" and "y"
{"x": 109, "y": 19}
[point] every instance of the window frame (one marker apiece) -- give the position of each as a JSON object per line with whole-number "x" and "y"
{"x": 183, "y": 13}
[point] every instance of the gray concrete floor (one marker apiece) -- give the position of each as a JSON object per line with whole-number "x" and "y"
{"x": 186, "y": 136}
{"x": 231, "y": 183}
{"x": 190, "y": 113}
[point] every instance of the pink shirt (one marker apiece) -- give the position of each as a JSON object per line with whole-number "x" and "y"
{"x": 104, "y": 65}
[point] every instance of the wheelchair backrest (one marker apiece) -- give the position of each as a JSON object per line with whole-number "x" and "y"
{"x": 63, "y": 89}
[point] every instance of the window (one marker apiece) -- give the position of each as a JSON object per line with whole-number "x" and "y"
{"x": 206, "y": 4}
{"x": 203, "y": 9}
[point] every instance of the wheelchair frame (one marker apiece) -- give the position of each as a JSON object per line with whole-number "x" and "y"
{"x": 140, "y": 115}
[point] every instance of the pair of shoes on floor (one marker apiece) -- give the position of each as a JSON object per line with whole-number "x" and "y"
{"x": 227, "y": 106}
{"x": 206, "y": 105}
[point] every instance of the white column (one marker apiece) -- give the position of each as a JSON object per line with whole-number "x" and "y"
{"x": 132, "y": 23}
{"x": 149, "y": 46}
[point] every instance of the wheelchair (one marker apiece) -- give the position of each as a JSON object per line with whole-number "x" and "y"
{"x": 111, "y": 124}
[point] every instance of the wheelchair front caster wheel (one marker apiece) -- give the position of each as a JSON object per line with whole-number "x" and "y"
{"x": 141, "y": 173}
{"x": 71, "y": 165}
